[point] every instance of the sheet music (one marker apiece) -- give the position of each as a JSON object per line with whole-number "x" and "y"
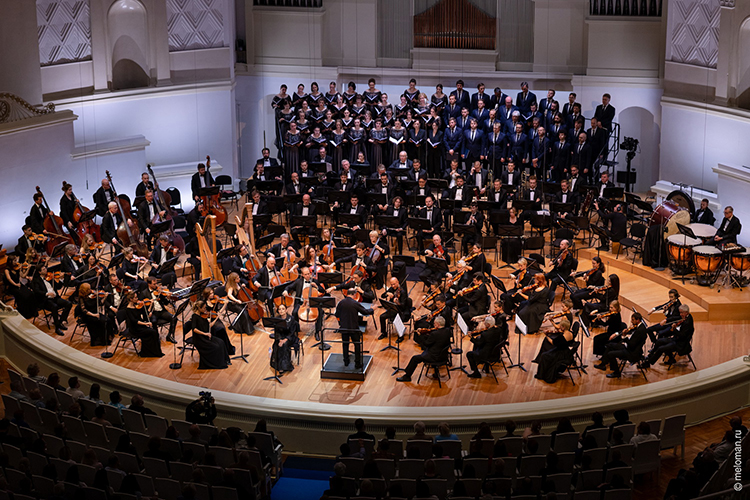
{"x": 400, "y": 328}
{"x": 462, "y": 325}
{"x": 521, "y": 325}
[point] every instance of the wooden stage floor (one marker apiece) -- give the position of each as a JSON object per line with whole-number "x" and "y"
{"x": 721, "y": 335}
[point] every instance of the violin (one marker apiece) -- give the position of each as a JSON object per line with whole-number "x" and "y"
{"x": 561, "y": 258}
{"x": 147, "y": 303}
{"x": 213, "y": 301}
{"x": 525, "y": 289}
{"x": 55, "y": 276}
{"x": 663, "y": 307}
{"x": 554, "y": 316}
{"x": 98, "y": 294}
{"x": 210, "y": 315}
{"x": 469, "y": 289}
{"x": 430, "y": 297}
{"x": 39, "y": 238}
{"x": 601, "y": 316}
{"x": 440, "y": 252}
{"x": 433, "y": 315}
{"x": 471, "y": 257}
{"x": 601, "y": 288}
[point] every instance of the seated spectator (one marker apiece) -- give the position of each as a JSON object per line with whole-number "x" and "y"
{"x": 736, "y": 424}
{"x": 98, "y": 417}
{"x": 371, "y": 471}
{"x": 17, "y": 391}
{"x": 89, "y": 458}
{"x": 54, "y": 381}
{"x": 137, "y": 404}
{"x": 74, "y": 388}
{"x": 35, "y": 398}
{"x": 116, "y": 400}
{"x": 74, "y": 411}
{"x": 345, "y": 451}
{"x": 643, "y": 434}
{"x": 621, "y": 418}
{"x": 721, "y": 450}
{"x": 359, "y": 425}
{"x": 419, "y": 429}
{"x": 243, "y": 462}
{"x": 94, "y": 394}
{"x": 251, "y": 445}
{"x": 390, "y": 432}
{"x": 534, "y": 430}
{"x": 475, "y": 450}
{"x": 53, "y": 405}
{"x": 195, "y": 435}
{"x": 173, "y": 433}
{"x": 563, "y": 425}
{"x": 32, "y": 371}
{"x": 498, "y": 469}
{"x": 617, "y": 438}
{"x": 19, "y": 419}
{"x": 484, "y": 432}
{"x": 499, "y": 450}
{"x": 597, "y": 422}
{"x": 155, "y": 451}
{"x": 615, "y": 461}
{"x": 382, "y": 450}
{"x": 510, "y": 428}
{"x": 262, "y": 426}
{"x": 550, "y": 466}
{"x": 444, "y": 433}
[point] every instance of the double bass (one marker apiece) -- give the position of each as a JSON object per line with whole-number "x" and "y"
{"x": 86, "y": 227}
{"x": 211, "y": 205}
{"x": 53, "y": 225}
{"x": 128, "y": 234}
{"x": 165, "y": 201}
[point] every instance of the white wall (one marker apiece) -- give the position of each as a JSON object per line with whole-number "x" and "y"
{"x": 181, "y": 125}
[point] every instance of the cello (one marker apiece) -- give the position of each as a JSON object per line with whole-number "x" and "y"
{"x": 211, "y": 205}
{"x": 165, "y": 201}
{"x": 53, "y": 225}
{"x": 307, "y": 313}
{"x": 127, "y": 233}
{"x": 87, "y": 227}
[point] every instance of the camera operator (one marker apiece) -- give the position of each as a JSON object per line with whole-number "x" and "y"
{"x": 202, "y": 410}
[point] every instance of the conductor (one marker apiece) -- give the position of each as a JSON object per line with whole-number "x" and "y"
{"x": 347, "y": 312}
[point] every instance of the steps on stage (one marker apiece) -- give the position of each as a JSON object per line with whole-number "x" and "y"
{"x": 643, "y": 288}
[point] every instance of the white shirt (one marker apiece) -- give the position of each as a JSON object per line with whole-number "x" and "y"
{"x": 296, "y": 188}
{"x": 353, "y": 210}
{"x": 383, "y": 189}
{"x": 478, "y": 179}
{"x": 395, "y": 212}
{"x": 459, "y": 194}
{"x": 305, "y": 210}
{"x": 601, "y": 190}
{"x": 565, "y": 197}
{"x": 203, "y": 180}
{"x": 151, "y": 210}
{"x": 48, "y": 286}
{"x": 108, "y": 196}
{"x": 531, "y": 195}
{"x": 422, "y": 192}
{"x": 157, "y": 306}
{"x": 510, "y": 179}
{"x": 429, "y": 214}
{"x": 163, "y": 258}
{"x": 497, "y": 196}
{"x": 255, "y": 209}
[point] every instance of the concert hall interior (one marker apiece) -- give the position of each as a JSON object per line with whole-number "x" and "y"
{"x": 513, "y": 210}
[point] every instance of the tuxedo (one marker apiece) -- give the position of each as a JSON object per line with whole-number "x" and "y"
{"x": 24, "y": 244}
{"x": 600, "y": 186}
{"x": 704, "y": 216}
{"x": 501, "y": 198}
{"x": 512, "y": 179}
{"x": 36, "y": 218}
{"x": 463, "y": 99}
{"x": 524, "y": 103}
{"x": 398, "y": 165}
{"x": 109, "y": 226}
{"x": 309, "y": 230}
{"x": 466, "y": 194}
{"x": 728, "y": 230}
{"x": 102, "y": 197}
{"x": 568, "y": 197}
{"x": 347, "y": 312}
{"x": 413, "y": 175}
{"x": 605, "y": 115}
{"x": 346, "y": 187}
{"x": 484, "y": 345}
{"x": 575, "y": 182}
{"x": 195, "y": 182}
{"x": 360, "y": 211}
{"x": 293, "y": 188}
{"x": 56, "y": 305}
{"x": 268, "y": 162}
{"x": 141, "y": 188}
{"x": 471, "y": 178}
{"x": 534, "y": 195}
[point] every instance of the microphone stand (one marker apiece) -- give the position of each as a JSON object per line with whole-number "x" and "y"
{"x": 106, "y": 354}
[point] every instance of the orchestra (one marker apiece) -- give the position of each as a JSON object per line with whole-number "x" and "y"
{"x": 414, "y": 178}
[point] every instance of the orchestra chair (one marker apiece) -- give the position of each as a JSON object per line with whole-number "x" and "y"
{"x": 685, "y": 352}
{"x": 176, "y": 197}
{"x": 564, "y": 233}
{"x": 46, "y": 316}
{"x": 495, "y": 358}
{"x": 533, "y": 243}
{"x": 227, "y": 194}
{"x": 124, "y": 338}
{"x": 634, "y": 241}
{"x": 638, "y": 363}
{"x": 444, "y": 361}
{"x": 79, "y": 324}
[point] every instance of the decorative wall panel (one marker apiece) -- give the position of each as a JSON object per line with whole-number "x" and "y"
{"x": 694, "y": 32}
{"x": 64, "y": 30}
{"x": 195, "y": 24}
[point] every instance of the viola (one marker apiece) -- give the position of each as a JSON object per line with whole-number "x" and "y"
{"x": 525, "y": 289}
{"x": 374, "y": 253}
{"x": 147, "y": 303}
{"x": 39, "y": 238}
{"x": 55, "y": 276}
{"x": 101, "y": 294}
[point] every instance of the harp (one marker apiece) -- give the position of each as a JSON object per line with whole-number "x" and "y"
{"x": 207, "y": 244}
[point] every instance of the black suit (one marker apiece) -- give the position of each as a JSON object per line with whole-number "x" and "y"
{"x": 583, "y": 157}
{"x": 560, "y": 161}
{"x": 435, "y": 350}
{"x": 436, "y": 223}
{"x": 140, "y": 189}
{"x": 704, "y": 216}
{"x": 347, "y": 312}
{"x": 477, "y": 303}
{"x": 463, "y": 99}
{"x": 24, "y": 244}
{"x": 728, "y": 230}
{"x": 100, "y": 199}
{"x": 605, "y": 116}
{"x": 618, "y": 225}
{"x": 168, "y": 278}
{"x": 58, "y": 307}
{"x": 630, "y": 350}
{"x": 195, "y": 182}
{"x": 512, "y": 179}
{"x": 570, "y": 197}
{"x": 485, "y": 343}
{"x": 272, "y": 162}
{"x": 559, "y": 273}
{"x": 677, "y": 341}
{"x": 296, "y": 231}
{"x": 466, "y": 194}
{"x": 36, "y": 218}
{"x": 145, "y": 219}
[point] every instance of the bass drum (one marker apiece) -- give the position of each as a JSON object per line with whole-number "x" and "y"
{"x": 669, "y": 214}
{"x": 684, "y": 200}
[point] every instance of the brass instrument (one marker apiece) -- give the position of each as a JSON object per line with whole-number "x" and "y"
{"x": 586, "y": 205}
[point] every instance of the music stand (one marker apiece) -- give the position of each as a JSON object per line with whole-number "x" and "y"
{"x": 686, "y": 231}
{"x": 87, "y": 216}
{"x": 268, "y": 186}
{"x": 116, "y": 260}
{"x": 389, "y": 306}
{"x": 438, "y": 266}
{"x": 601, "y": 233}
{"x": 350, "y": 220}
{"x": 463, "y": 230}
{"x": 161, "y": 227}
{"x": 273, "y": 323}
{"x": 408, "y": 260}
{"x": 208, "y": 191}
{"x": 498, "y": 283}
{"x": 561, "y": 208}
{"x": 440, "y": 184}
{"x": 303, "y": 221}
{"x": 342, "y": 197}
{"x": 408, "y": 184}
{"x": 342, "y": 253}
{"x": 373, "y": 182}
{"x": 180, "y": 310}
{"x": 264, "y": 241}
{"x": 59, "y": 249}
{"x": 233, "y": 326}
{"x": 490, "y": 243}
{"x": 168, "y": 266}
{"x": 509, "y": 231}
{"x": 614, "y": 193}
{"x": 520, "y": 330}
{"x": 387, "y": 221}
{"x": 377, "y": 199}
{"x": 523, "y": 205}
{"x": 322, "y": 303}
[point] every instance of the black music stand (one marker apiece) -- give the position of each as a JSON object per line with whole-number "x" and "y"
{"x": 419, "y": 224}
{"x": 320, "y": 166}
{"x": 499, "y": 285}
{"x": 601, "y": 233}
{"x": 59, "y": 249}
{"x": 179, "y": 311}
{"x": 524, "y": 205}
{"x": 387, "y": 221}
{"x": 374, "y": 199}
{"x": 415, "y": 200}
{"x": 167, "y": 267}
{"x": 274, "y": 323}
{"x": 268, "y": 186}
{"x": 614, "y": 193}
{"x": 505, "y": 232}
{"x": 342, "y": 197}
{"x": 322, "y": 303}
{"x": 439, "y": 184}
{"x": 460, "y": 349}
{"x": 372, "y": 182}
{"x": 350, "y": 220}
{"x": 389, "y": 306}
{"x": 518, "y": 332}
{"x": 490, "y": 243}
{"x": 463, "y": 230}
{"x": 561, "y": 208}
{"x": 209, "y": 191}
{"x": 303, "y": 221}
{"x": 342, "y": 253}
{"x": 116, "y": 260}
{"x": 233, "y": 326}
{"x": 264, "y": 241}
{"x": 227, "y": 252}
{"x": 87, "y": 216}
{"x": 160, "y": 227}
{"x": 408, "y": 184}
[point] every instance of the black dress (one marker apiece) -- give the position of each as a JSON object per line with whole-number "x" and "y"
{"x": 357, "y": 138}
{"x": 338, "y": 147}
{"x": 213, "y": 351}
{"x": 532, "y": 314}
{"x": 281, "y": 355}
{"x": 614, "y": 325}
{"x": 219, "y": 330}
{"x": 378, "y": 148}
{"x": 150, "y": 345}
{"x": 291, "y": 152}
{"x": 24, "y": 297}
{"x": 552, "y": 356}
{"x": 96, "y": 326}
{"x": 435, "y": 154}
